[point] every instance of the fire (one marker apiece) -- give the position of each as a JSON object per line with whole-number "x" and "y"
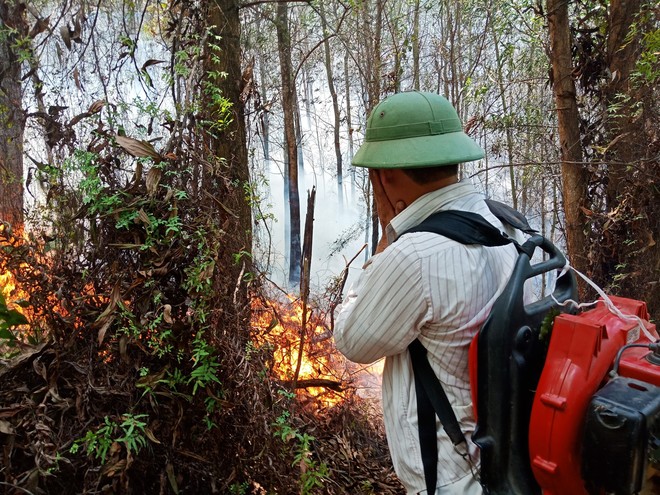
{"x": 8, "y": 287}
{"x": 319, "y": 371}
{"x": 15, "y": 270}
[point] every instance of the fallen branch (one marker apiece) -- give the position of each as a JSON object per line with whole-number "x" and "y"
{"x": 315, "y": 382}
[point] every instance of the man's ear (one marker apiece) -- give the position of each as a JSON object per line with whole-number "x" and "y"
{"x": 387, "y": 175}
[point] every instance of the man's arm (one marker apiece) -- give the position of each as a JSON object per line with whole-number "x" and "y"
{"x": 385, "y": 310}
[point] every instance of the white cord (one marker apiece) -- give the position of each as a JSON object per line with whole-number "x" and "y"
{"x": 606, "y": 300}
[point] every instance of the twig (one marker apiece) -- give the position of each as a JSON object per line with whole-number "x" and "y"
{"x": 337, "y": 296}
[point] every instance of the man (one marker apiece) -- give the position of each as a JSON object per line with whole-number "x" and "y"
{"x": 422, "y": 285}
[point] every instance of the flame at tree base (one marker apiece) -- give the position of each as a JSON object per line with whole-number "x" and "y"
{"x": 321, "y": 373}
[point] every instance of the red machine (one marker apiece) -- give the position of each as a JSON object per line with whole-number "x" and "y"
{"x": 578, "y": 414}
{"x": 591, "y": 428}
{"x": 566, "y": 404}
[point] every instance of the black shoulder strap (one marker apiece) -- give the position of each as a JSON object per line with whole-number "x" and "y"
{"x": 464, "y": 227}
{"x": 467, "y": 228}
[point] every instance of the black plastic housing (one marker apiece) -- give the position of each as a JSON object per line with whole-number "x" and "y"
{"x": 511, "y": 358}
{"x": 623, "y": 419}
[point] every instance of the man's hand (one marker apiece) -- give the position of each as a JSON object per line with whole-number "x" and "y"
{"x": 387, "y": 210}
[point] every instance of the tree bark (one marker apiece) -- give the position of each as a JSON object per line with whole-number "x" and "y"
{"x": 631, "y": 263}
{"x": 291, "y": 151}
{"x": 374, "y": 84}
{"x": 349, "y": 120}
{"x": 622, "y": 127}
{"x": 335, "y": 108}
{"x": 229, "y": 145}
{"x": 415, "y": 46}
{"x": 574, "y": 173}
{"x": 505, "y": 113}
{"x": 12, "y": 116}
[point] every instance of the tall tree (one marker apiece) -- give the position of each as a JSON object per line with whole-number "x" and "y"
{"x": 415, "y": 46}
{"x": 372, "y": 71}
{"x": 291, "y": 146}
{"x": 622, "y": 126}
{"x": 574, "y": 173}
{"x": 227, "y": 84}
{"x": 13, "y": 39}
{"x": 335, "y": 104}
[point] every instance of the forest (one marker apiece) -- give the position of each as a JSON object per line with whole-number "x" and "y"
{"x": 179, "y": 216}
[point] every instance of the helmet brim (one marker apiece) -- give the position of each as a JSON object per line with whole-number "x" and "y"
{"x": 417, "y": 152}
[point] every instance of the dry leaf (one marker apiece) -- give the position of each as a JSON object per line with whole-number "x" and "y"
{"x": 76, "y": 78}
{"x": 106, "y": 318}
{"x": 144, "y": 217}
{"x": 64, "y": 32}
{"x": 150, "y": 435}
{"x": 137, "y": 176}
{"x": 153, "y": 179}
{"x": 96, "y": 107}
{"x": 169, "y": 469}
{"x": 6, "y": 427}
{"x": 39, "y": 27}
{"x": 123, "y": 347}
{"x": 151, "y": 62}
{"x": 139, "y": 149}
{"x": 167, "y": 313}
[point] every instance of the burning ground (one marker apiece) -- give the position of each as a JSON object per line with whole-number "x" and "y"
{"x": 133, "y": 364}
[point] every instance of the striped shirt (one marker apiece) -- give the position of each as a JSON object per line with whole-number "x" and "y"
{"x": 428, "y": 287}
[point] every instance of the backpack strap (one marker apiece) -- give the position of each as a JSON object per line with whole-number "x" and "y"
{"x": 464, "y": 227}
{"x": 431, "y": 401}
{"x": 467, "y": 228}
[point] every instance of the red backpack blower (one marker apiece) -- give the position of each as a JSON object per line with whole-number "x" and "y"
{"x": 566, "y": 404}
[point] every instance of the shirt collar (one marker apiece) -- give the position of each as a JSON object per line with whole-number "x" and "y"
{"x": 426, "y": 205}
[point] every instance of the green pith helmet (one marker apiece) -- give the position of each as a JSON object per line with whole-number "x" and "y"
{"x": 415, "y": 129}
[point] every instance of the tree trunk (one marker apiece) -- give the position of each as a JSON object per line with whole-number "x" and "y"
{"x": 574, "y": 173}
{"x": 373, "y": 72}
{"x": 505, "y": 112}
{"x": 631, "y": 263}
{"x": 230, "y": 145}
{"x": 12, "y": 116}
{"x": 622, "y": 128}
{"x": 415, "y": 46}
{"x": 264, "y": 116}
{"x": 349, "y": 121}
{"x": 335, "y": 108}
{"x": 291, "y": 151}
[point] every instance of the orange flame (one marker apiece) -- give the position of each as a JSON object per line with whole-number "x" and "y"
{"x": 279, "y": 327}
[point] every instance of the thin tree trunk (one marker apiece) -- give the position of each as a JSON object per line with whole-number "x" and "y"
{"x": 264, "y": 117}
{"x": 335, "y": 108}
{"x": 574, "y": 173}
{"x": 505, "y": 112}
{"x": 12, "y": 116}
{"x": 374, "y": 88}
{"x": 305, "y": 278}
{"x": 291, "y": 148}
{"x": 349, "y": 121}
{"x": 415, "y": 46}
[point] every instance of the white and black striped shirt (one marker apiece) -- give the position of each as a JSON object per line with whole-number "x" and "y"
{"x": 424, "y": 285}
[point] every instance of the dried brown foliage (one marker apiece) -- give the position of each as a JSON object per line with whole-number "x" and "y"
{"x": 126, "y": 283}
